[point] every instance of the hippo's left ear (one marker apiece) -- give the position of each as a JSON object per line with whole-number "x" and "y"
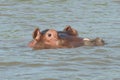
{"x": 70, "y": 30}
{"x": 67, "y": 28}
{"x": 36, "y": 34}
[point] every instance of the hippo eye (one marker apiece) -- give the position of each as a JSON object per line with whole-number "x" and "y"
{"x": 49, "y": 35}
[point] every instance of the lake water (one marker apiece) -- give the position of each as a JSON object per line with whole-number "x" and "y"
{"x": 92, "y": 18}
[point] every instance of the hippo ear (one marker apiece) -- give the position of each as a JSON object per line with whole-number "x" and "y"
{"x": 70, "y": 31}
{"x": 67, "y": 28}
{"x": 36, "y": 34}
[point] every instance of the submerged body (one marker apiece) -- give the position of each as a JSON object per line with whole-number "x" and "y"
{"x": 68, "y": 38}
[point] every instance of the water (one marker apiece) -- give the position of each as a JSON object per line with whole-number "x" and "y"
{"x": 92, "y": 18}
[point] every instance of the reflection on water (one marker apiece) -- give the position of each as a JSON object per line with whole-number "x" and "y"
{"x": 18, "y": 18}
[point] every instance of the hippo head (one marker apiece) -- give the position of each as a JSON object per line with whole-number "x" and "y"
{"x": 68, "y": 38}
{"x": 51, "y": 38}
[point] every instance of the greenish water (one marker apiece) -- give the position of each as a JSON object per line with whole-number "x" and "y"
{"x": 92, "y": 18}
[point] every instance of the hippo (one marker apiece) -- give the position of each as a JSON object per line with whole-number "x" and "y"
{"x": 68, "y": 38}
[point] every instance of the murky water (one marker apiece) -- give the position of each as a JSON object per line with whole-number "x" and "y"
{"x": 92, "y": 18}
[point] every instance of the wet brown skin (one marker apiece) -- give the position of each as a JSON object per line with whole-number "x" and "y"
{"x": 68, "y": 38}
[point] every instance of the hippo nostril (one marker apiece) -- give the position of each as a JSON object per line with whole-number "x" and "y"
{"x": 49, "y": 35}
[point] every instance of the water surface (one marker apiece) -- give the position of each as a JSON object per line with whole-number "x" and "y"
{"x": 92, "y": 18}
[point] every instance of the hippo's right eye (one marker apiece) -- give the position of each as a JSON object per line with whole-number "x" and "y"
{"x": 49, "y": 35}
